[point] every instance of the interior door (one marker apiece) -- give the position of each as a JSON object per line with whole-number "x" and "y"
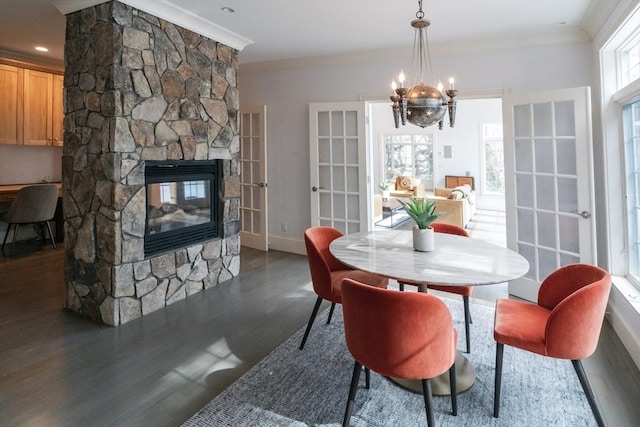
{"x": 339, "y": 190}
{"x": 549, "y": 182}
{"x": 254, "y": 231}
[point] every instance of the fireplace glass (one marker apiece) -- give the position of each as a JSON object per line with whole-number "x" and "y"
{"x": 182, "y": 203}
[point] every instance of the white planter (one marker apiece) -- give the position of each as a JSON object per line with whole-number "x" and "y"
{"x": 385, "y": 195}
{"x": 423, "y": 240}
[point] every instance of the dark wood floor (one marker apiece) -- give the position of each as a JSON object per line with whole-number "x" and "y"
{"x": 59, "y": 369}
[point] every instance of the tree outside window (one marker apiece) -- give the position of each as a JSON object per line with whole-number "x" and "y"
{"x": 493, "y": 158}
{"x": 408, "y": 155}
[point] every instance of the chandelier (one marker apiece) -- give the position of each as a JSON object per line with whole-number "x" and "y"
{"x": 421, "y": 104}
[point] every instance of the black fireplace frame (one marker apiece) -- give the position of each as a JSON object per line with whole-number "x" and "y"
{"x": 185, "y": 170}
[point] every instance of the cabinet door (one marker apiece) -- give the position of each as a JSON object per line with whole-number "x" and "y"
{"x": 37, "y": 107}
{"x": 10, "y": 104}
{"x": 57, "y": 108}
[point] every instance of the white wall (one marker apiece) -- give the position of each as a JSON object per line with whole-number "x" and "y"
{"x": 287, "y": 93}
{"x": 28, "y": 164}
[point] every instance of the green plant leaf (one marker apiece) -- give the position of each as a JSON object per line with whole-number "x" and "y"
{"x": 422, "y": 212}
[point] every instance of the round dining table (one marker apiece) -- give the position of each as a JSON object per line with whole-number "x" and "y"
{"x": 456, "y": 261}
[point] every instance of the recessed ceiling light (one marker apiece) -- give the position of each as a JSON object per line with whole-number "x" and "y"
{"x": 228, "y": 10}
{"x": 41, "y": 49}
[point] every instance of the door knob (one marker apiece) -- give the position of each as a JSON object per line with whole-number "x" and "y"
{"x": 260, "y": 184}
{"x": 314, "y": 188}
{"x": 583, "y": 214}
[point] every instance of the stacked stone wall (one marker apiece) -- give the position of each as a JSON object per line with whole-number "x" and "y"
{"x": 140, "y": 88}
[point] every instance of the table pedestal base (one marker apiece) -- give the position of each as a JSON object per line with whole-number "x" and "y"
{"x": 465, "y": 377}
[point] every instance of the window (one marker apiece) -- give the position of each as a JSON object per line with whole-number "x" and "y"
{"x": 493, "y": 158}
{"x": 620, "y": 82}
{"x": 167, "y": 193}
{"x": 629, "y": 60}
{"x": 194, "y": 190}
{"x": 631, "y": 129}
{"x": 408, "y": 155}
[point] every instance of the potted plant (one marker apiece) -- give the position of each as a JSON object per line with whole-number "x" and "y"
{"x": 423, "y": 213}
{"x": 384, "y": 187}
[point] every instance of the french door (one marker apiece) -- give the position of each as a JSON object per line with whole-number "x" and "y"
{"x": 254, "y": 231}
{"x": 549, "y": 182}
{"x": 338, "y": 158}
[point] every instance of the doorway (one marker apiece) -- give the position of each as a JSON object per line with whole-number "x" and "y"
{"x": 468, "y": 149}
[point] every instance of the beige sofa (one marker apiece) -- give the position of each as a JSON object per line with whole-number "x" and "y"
{"x": 457, "y": 203}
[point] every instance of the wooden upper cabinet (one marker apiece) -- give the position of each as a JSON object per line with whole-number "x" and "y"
{"x": 38, "y": 89}
{"x": 31, "y": 106}
{"x": 11, "y": 91}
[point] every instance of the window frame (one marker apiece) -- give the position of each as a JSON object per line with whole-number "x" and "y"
{"x": 412, "y": 135}
{"x": 614, "y": 249}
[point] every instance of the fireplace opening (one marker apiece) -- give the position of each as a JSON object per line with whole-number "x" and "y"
{"x": 183, "y": 203}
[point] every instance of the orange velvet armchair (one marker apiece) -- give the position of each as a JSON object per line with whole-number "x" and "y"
{"x": 565, "y": 323}
{"x": 327, "y": 272}
{"x": 464, "y": 291}
{"x": 407, "y": 335}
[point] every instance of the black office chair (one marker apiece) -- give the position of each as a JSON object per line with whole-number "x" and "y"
{"x": 35, "y": 204}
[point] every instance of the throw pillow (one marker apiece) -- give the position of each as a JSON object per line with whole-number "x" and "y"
{"x": 404, "y": 183}
{"x": 455, "y": 194}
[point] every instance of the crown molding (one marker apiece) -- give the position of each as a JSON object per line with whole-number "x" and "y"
{"x": 35, "y": 62}
{"x": 568, "y": 35}
{"x": 169, "y": 12}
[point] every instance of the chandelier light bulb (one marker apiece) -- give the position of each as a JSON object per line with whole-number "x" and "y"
{"x": 451, "y": 81}
{"x": 401, "y": 78}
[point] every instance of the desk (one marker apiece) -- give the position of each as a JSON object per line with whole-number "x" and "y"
{"x": 457, "y": 260}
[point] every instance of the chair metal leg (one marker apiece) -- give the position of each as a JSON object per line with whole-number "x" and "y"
{"x": 367, "y": 378}
{"x": 333, "y": 307}
{"x": 467, "y": 320}
{"x": 584, "y": 382}
{"x": 314, "y": 313}
{"x": 454, "y": 391}
{"x": 6, "y": 234}
{"x": 426, "y": 392}
{"x": 53, "y": 241}
{"x": 496, "y": 393}
{"x": 15, "y": 237}
{"x": 357, "y": 367}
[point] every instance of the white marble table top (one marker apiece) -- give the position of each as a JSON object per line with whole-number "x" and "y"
{"x": 457, "y": 260}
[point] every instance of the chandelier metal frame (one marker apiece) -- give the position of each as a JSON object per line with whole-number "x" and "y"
{"x": 421, "y": 104}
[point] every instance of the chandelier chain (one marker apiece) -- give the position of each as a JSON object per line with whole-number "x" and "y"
{"x": 419, "y": 13}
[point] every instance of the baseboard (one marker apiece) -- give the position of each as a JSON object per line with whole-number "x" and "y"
{"x": 287, "y": 245}
{"x": 625, "y": 318}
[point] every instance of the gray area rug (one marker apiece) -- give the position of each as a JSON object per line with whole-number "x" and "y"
{"x": 291, "y": 387}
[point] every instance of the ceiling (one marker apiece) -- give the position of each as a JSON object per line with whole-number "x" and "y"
{"x": 294, "y": 29}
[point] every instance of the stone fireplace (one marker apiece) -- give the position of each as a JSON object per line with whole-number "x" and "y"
{"x": 141, "y": 90}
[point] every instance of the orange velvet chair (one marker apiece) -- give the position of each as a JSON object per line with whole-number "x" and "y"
{"x": 565, "y": 323}
{"x": 465, "y": 291}
{"x": 327, "y": 272}
{"x": 407, "y": 335}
